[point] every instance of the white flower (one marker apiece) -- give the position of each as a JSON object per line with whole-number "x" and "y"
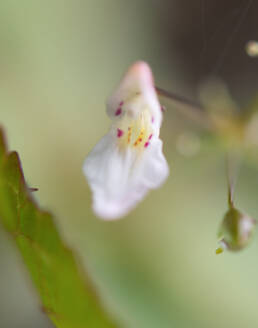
{"x": 128, "y": 161}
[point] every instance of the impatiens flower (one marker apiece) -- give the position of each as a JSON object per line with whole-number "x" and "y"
{"x": 128, "y": 161}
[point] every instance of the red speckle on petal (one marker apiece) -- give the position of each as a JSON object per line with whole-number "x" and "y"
{"x": 150, "y": 136}
{"x": 146, "y": 144}
{"x": 121, "y": 103}
{"x": 152, "y": 119}
{"x": 120, "y": 133}
{"x": 118, "y": 111}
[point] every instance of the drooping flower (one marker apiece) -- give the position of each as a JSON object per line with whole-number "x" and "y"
{"x": 128, "y": 161}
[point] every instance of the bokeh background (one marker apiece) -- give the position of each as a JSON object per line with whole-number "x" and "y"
{"x": 59, "y": 60}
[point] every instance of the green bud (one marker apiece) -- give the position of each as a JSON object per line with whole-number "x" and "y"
{"x": 236, "y": 231}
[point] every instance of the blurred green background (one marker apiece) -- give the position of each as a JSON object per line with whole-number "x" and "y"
{"x": 59, "y": 60}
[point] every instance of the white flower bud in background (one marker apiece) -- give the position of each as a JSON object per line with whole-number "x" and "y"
{"x": 252, "y": 48}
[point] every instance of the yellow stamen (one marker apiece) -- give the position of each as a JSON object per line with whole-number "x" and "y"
{"x": 139, "y": 138}
{"x": 129, "y": 134}
{"x": 136, "y": 130}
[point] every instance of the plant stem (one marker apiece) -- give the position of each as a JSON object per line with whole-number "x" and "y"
{"x": 232, "y": 168}
{"x": 193, "y": 111}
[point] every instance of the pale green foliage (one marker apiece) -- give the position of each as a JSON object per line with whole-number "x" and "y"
{"x": 66, "y": 294}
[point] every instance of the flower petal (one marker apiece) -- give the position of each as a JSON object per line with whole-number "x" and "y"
{"x": 138, "y": 80}
{"x": 119, "y": 180}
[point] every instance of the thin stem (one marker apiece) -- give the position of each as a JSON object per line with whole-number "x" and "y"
{"x": 230, "y": 186}
{"x": 193, "y": 111}
{"x": 232, "y": 167}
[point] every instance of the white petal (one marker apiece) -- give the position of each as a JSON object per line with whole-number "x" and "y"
{"x": 137, "y": 80}
{"x": 120, "y": 179}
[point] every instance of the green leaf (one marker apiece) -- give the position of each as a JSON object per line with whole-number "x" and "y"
{"x": 65, "y": 290}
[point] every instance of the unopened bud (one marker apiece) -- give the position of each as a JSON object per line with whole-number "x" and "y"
{"x": 236, "y": 231}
